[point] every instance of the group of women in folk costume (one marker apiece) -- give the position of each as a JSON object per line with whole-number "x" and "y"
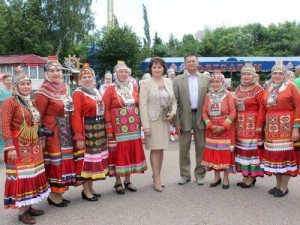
{"x": 63, "y": 141}
{"x": 60, "y": 142}
{"x": 272, "y": 114}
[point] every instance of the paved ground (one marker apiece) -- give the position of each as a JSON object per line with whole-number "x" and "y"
{"x": 188, "y": 204}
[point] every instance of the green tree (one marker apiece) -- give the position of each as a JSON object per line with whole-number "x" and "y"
{"x": 119, "y": 43}
{"x": 25, "y": 31}
{"x": 67, "y": 22}
{"x": 147, "y": 39}
{"x": 3, "y": 25}
{"x": 157, "y": 40}
{"x": 173, "y": 46}
{"x": 189, "y": 44}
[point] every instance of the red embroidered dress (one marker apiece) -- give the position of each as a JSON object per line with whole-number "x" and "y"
{"x": 250, "y": 115}
{"x": 88, "y": 125}
{"x": 279, "y": 155}
{"x": 218, "y": 152}
{"x": 126, "y": 153}
{"x": 58, "y": 153}
{"x": 26, "y": 182}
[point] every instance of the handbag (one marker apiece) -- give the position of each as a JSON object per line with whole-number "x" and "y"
{"x": 165, "y": 112}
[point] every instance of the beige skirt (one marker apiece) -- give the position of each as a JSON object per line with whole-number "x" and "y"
{"x": 160, "y": 135}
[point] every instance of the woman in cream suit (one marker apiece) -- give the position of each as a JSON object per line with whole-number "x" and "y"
{"x": 157, "y": 108}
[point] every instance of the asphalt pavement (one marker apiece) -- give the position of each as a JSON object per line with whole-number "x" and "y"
{"x": 188, "y": 204}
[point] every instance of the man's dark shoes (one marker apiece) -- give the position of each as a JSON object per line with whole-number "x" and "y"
{"x": 35, "y": 212}
{"x": 26, "y": 218}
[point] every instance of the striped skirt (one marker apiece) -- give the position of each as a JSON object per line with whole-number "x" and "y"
{"x": 279, "y": 156}
{"x": 247, "y": 151}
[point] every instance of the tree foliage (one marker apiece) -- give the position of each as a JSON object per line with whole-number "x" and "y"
{"x": 147, "y": 39}
{"x": 44, "y": 27}
{"x": 119, "y": 43}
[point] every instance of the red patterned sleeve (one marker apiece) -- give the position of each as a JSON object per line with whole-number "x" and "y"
{"x": 232, "y": 111}
{"x": 41, "y": 103}
{"x": 77, "y": 118}
{"x": 8, "y": 108}
{"x": 261, "y": 117}
{"x": 107, "y": 98}
{"x": 205, "y": 115}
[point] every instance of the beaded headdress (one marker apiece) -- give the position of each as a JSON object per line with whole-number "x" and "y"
{"x": 86, "y": 70}
{"x": 121, "y": 66}
{"x": 52, "y": 63}
{"x": 20, "y": 75}
{"x": 279, "y": 67}
{"x": 248, "y": 68}
{"x": 217, "y": 75}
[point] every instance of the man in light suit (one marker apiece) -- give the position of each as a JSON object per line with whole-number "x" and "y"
{"x": 190, "y": 89}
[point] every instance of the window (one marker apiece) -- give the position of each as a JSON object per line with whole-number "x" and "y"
{"x": 25, "y": 69}
{"x": 9, "y": 69}
{"x": 33, "y": 72}
{"x": 2, "y": 69}
{"x": 41, "y": 72}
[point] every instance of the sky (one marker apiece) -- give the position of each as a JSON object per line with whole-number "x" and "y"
{"x": 179, "y": 17}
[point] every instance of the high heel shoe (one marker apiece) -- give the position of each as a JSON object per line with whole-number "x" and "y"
{"x": 92, "y": 199}
{"x": 225, "y": 186}
{"x": 216, "y": 183}
{"x": 61, "y": 204}
{"x": 97, "y": 195}
{"x": 239, "y": 184}
{"x": 66, "y": 200}
{"x": 244, "y": 185}
{"x": 158, "y": 189}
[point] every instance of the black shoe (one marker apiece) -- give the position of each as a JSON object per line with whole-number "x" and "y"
{"x": 239, "y": 184}
{"x": 61, "y": 204}
{"x": 216, "y": 184}
{"x": 244, "y": 185}
{"x": 225, "y": 186}
{"x": 273, "y": 190}
{"x": 121, "y": 191}
{"x": 279, "y": 193}
{"x": 97, "y": 195}
{"x": 66, "y": 201}
{"x": 92, "y": 199}
{"x": 131, "y": 189}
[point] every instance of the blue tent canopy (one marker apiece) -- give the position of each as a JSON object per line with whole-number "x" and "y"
{"x": 228, "y": 64}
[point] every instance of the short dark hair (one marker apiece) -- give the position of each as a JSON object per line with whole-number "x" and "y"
{"x": 190, "y": 54}
{"x": 7, "y": 76}
{"x": 160, "y": 61}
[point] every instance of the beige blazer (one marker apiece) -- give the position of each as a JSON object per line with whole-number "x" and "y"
{"x": 149, "y": 100}
{"x": 182, "y": 94}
